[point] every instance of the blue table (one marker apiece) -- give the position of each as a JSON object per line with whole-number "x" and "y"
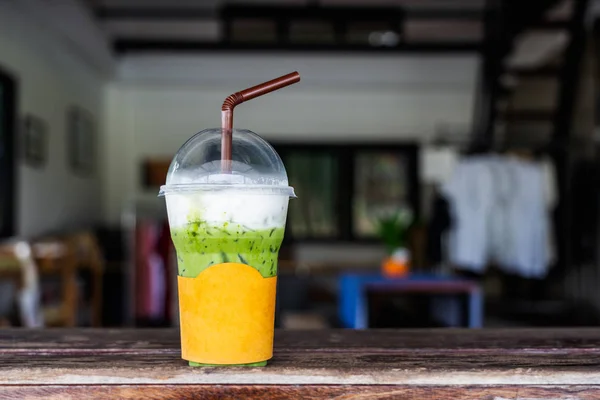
{"x": 353, "y": 305}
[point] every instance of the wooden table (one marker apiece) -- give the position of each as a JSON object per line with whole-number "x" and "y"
{"x": 379, "y": 364}
{"x": 353, "y": 307}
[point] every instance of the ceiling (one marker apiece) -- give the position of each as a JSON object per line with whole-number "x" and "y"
{"x": 425, "y": 25}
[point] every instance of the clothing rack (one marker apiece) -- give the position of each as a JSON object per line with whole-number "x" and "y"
{"x": 577, "y": 279}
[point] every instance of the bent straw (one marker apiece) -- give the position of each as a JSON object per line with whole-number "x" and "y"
{"x": 240, "y": 97}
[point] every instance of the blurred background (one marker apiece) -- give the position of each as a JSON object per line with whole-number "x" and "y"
{"x": 444, "y": 153}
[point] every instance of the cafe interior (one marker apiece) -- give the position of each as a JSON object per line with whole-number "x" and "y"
{"x": 444, "y": 155}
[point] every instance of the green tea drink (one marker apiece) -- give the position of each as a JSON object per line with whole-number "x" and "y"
{"x": 227, "y": 230}
{"x": 227, "y": 226}
{"x": 200, "y": 245}
{"x": 227, "y": 243}
{"x": 227, "y": 196}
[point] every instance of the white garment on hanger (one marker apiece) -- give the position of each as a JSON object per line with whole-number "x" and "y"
{"x": 469, "y": 192}
{"x": 500, "y": 212}
{"x": 527, "y": 220}
{"x": 499, "y": 231}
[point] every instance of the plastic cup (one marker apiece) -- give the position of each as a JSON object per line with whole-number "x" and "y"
{"x": 227, "y": 229}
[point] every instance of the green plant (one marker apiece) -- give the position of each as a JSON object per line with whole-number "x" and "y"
{"x": 393, "y": 228}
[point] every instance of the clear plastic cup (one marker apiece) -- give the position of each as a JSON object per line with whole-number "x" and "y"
{"x": 227, "y": 229}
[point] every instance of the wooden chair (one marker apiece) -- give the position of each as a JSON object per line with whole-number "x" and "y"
{"x": 10, "y": 270}
{"x": 62, "y": 257}
{"x": 89, "y": 256}
{"x": 10, "y": 266}
{"x": 56, "y": 257}
{"x": 66, "y": 257}
{"x": 17, "y": 264}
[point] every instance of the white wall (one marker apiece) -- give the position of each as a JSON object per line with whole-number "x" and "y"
{"x": 160, "y": 101}
{"x": 52, "y": 75}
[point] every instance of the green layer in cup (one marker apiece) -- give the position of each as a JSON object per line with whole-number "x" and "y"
{"x": 200, "y": 245}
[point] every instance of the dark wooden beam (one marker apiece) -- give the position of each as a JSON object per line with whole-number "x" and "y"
{"x": 547, "y": 71}
{"x": 596, "y": 42}
{"x": 340, "y": 18}
{"x": 528, "y": 115}
{"x": 521, "y": 16}
{"x": 123, "y": 46}
{"x": 186, "y": 13}
{"x": 567, "y": 98}
{"x": 569, "y": 75}
{"x": 551, "y": 25}
{"x": 442, "y": 14}
{"x": 504, "y": 20}
{"x": 155, "y": 13}
{"x": 347, "y": 14}
{"x": 489, "y": 89}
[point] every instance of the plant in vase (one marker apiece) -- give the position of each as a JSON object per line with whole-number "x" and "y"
{"x": 392, "y": 227}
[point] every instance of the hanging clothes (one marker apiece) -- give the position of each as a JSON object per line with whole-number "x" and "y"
{"x": 501, "y": 209}
{"x": 470, "y": 193}
{"x": 527, "y": 234}
{"x": 499, "y": 228}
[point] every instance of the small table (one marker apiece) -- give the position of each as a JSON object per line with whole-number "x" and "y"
{"x": 353, "y": 305}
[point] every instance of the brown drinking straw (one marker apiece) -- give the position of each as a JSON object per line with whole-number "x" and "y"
{"x": 240, "y": 97}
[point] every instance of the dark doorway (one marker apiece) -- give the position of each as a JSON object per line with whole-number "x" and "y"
{"x": 8, "y": 98}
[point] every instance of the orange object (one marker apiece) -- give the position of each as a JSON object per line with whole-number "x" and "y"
{"x": 227, "y": 315}
{"x": 394, "y": 268}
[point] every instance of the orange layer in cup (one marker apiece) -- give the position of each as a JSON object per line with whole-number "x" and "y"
{"x": 227, "y": 315}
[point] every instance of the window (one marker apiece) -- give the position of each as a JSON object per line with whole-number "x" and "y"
{"x": 381, "y": 183}
{"x": 315, "y": 175}
{"x": 342, "y": 188}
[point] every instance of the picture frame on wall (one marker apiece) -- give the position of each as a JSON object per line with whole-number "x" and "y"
{"x": 34, "y": 141}
{"x": 81, "y": 141}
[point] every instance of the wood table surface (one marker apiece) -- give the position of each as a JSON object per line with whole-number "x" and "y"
{"x": 524, "y": 364}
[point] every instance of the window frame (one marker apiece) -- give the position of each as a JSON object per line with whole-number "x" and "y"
{"x": 345, "y": 155}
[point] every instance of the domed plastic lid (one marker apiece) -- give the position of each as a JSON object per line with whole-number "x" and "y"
{"x": 255, "y": 165}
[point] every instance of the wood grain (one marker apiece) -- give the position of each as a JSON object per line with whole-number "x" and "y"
{"x": 545, "y": 340}
{"x": 341, "y": 364}
{"x": 225, "y": 392}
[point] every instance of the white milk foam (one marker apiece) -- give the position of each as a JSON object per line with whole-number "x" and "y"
{"x": 253, "y": 210}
